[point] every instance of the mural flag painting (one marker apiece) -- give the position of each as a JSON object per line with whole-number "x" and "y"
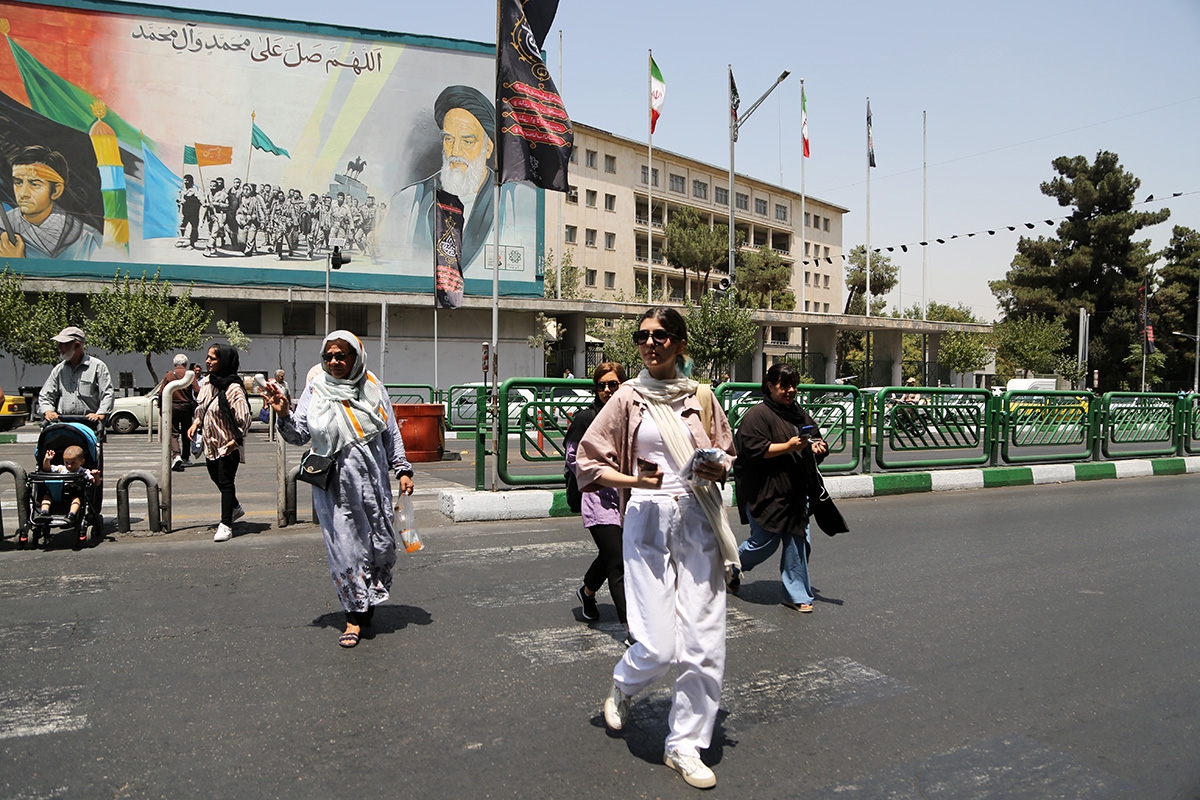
{"x": 112, "y": 179}
{"x": 261, "y": 141}
{"x": 448, "y": 237}
{"x": 189, "y": 154}
{"x": 160, "y": 187}
{"x": 535, "y": 132}
{"x": 212, "y": 155}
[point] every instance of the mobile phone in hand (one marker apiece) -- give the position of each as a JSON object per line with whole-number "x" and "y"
{"x": 806, "y": 432}
{"x": 646, "y": 467}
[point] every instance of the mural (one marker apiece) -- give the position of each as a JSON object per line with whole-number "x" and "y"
{"x": 240, "y": 150}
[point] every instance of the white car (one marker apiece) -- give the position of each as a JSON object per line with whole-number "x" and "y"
{"x": 131, "y": 413}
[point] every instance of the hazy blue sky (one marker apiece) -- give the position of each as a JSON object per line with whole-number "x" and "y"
{"x": 1007, "y": 87}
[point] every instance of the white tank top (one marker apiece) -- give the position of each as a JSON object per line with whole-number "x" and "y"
{"x": 649, "y": 445}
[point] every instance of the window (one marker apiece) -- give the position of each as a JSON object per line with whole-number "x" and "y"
{"x": 572, "y": 195}
{"x": 591, "y": 158}
{"x": 806, "y": 244}
{"x": 760, "y": 206}
{"x": 807, "y": 220}
{"x": 610, "y": 164}
{"x": 570, "y": 234}
{"x": 610, "y": 241}
{"x": 721, "y": 195}
{"x": 827, "y": 251}
{"x": 806, "y": 305}
{"x": 589, "y": 277}
{"x": 299, "y": 319}
{"x": 610, "y": 280}
{"x": 743, "y": 201}
{"x": 678, "y": 184}
{"x": 655, "y": 174}
{"x": 826, "y": 281}
{"x": 827, "y": 308}
{"x": 248, "y": 316}
{"x": 807, "y": 274}
{"x": 574, "y": 156}
{"x": 781, "y": 212}
{"x": 610, "y": 202}
{"x": 700, "y": 190}
{"x": 349, "y": 316}
{"x": 827, "y": 227}
{"x": 590, "y": 198}
{"x": 589, "y": 237}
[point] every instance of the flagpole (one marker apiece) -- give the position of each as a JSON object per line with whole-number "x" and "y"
{"x": 650, "y": 182}
{"x": 868, "y": 208}
{"x": 250, "y": 149}
{"x": 732, "y": 196}
{"x": 559, "y": 236}
{"x": 496, "y": 277}
{"x": 924, "y": 214}
{"x": 803, "y": 233}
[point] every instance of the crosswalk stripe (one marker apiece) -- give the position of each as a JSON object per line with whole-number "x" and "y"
{"x": 38, "y": 711}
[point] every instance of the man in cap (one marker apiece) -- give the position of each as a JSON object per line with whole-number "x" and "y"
{"x": 79, "y": 385}
{"x": 467, "y": 120}
{"x": 38, "y": 227}
{"x": 183, "y": 406}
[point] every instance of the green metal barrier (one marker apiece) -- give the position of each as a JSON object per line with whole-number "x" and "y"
{"x": 542, "y": 419}
{"x": 1189, "y": 421}
{"x": 411, "y": 393}
{"x": 1036, "y": 427}
{"x": 1133, "y": 419}
{"x": 919, "y": 419}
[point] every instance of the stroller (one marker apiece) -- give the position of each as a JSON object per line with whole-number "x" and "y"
{"x": 87, "y": 526}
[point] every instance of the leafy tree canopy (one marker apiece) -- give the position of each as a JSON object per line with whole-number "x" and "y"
{"x": 763, "y": 280}
{"x": 693, "y": 244}
{"x": 719, "y": 332}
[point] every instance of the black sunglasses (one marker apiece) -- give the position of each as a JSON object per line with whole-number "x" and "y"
{"x": 661, "y": 336}
{"x": 612, "y": 386}
{"x": 341, "y": 358}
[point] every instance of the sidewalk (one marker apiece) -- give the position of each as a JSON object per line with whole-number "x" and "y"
{"x": 471, "y": 506}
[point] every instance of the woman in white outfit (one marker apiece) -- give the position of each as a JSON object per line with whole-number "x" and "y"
{"x": 677, "y": 542}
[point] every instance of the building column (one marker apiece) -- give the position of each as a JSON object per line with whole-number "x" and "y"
{"x": 576, "y": 339}
{"x": 934, "y": 342}
{"x": 823, "y": 339}
{"x": 890, "y": 345}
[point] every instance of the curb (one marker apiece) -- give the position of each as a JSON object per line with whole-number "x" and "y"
{"x": 471, "y": 506}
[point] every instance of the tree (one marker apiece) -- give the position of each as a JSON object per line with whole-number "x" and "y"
{"x": 27, "y": 329}
{"x": 1174, "y": 304}
{"x": 1093, "y": 263}
{"x": 572, "y": 277}
{"x": 960, "y": 352}
{"x": 883, "y": 280}
{"x": 618, "y": 342}
{"x": 719, "y": 332}
{"x": 233, "y": 334}
{"x": 963, "y": 352}
{"x": 694, "y": 244}
{"x": 142, "y": 317}
{"x": 763, "y": 280}
{"x": 1031, "y": 343}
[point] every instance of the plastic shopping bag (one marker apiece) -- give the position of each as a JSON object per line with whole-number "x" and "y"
{"x": 405, "y": 525}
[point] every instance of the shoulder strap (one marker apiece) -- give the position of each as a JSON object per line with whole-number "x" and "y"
{"x": 704, "y": 394}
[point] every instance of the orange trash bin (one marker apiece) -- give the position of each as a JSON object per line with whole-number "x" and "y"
{"x": 422, "y": 428}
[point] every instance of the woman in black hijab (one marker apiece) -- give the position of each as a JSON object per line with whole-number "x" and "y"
{"x": 223, "y": 417}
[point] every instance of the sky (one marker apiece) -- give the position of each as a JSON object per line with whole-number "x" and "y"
{"x": 1005, "y": 88}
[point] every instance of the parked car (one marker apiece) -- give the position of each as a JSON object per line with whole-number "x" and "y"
{"x": 13, "y": 412}
{"x": 131, "y": 413}
{"x": 462, "y": 406}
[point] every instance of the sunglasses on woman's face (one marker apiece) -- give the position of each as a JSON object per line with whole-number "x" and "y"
{"x": 661, "y": 336}
{"x": 341, "y": 358}
{"x": 612, "y": 386}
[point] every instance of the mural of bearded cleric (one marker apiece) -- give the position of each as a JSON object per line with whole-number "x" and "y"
{"x": 467, "y": 121}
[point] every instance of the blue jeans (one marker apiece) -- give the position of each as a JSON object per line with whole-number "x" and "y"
{"x": 793, "y": 565}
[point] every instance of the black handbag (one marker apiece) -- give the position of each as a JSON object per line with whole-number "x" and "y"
{"x": 317, "y": 470}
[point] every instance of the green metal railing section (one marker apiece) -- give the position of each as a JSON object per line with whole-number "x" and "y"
{"x": 412, "y": 393}
{"x": 896, "y": 428}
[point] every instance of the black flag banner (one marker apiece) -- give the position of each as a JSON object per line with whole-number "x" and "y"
{"x": 535, "y": 132}
{"x": 448, "y": 236}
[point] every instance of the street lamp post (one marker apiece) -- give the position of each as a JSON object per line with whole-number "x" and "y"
{"x": 734, "y": 126}
{"x": 1196, "y": 374}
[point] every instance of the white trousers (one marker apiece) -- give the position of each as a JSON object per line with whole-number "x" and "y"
{"x": 675, "y": 594}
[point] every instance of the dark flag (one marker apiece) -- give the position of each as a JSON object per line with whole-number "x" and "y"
{"x": 870, "y": 137}
{"x": 21, "y": 128}
{"x": 1147, "y": 327}
{"x": 735, "y": 100}
{"x": 535, "y": 132}
{"x": 447, "y": 250}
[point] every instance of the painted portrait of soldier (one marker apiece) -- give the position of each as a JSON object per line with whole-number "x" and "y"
{"x": 38, "y": 226}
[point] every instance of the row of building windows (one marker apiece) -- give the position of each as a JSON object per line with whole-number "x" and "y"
{"x": 571, "y": 236}
{"x": 816, "y": 221}
{"x": 815, "y": 280}
{"x": 592, "y": 159}
{"x": 678, "y": 184}
{"x": 815, "y": 251}
{"x": 610, "y": 279}
{"x": 816, "y": 307}
{"x": 589, "y": 198}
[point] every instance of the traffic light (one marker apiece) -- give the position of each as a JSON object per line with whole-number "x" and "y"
{"x": 337, "y": 258}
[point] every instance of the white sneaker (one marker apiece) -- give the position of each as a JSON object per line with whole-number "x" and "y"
{"x": 238, "y": 513}
{"x": 693, "y": 770}
{"x": 616, "y": 708}
{"x": 177, "y": 464}
{"x": 224, "y": 533}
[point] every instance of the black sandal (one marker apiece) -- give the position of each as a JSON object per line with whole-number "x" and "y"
{"x": 348, "y": 639}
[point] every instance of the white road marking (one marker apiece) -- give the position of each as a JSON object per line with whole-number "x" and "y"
{"x": 41, "y": 711}
{"x": 61, "y": 586}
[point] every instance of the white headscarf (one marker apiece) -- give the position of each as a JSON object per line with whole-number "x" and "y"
{"x": 345, "y": 410}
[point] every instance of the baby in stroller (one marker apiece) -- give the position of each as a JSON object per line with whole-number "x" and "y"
{"x": 65, "y": 492}
{"x": 72, "y": 464}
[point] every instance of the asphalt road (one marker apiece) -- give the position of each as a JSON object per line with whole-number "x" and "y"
{"x": 1031, "y": 642}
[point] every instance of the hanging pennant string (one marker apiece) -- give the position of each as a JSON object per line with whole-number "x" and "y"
{"x": 989, "y": 231}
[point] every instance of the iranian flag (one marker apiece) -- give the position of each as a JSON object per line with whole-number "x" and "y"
{"x": 804, "y": 121}
{"x": 658, "y": 93}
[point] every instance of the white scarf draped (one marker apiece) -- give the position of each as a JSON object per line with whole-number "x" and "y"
{"x": 345, "y": 410}
{"x": 658, "y": 396}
